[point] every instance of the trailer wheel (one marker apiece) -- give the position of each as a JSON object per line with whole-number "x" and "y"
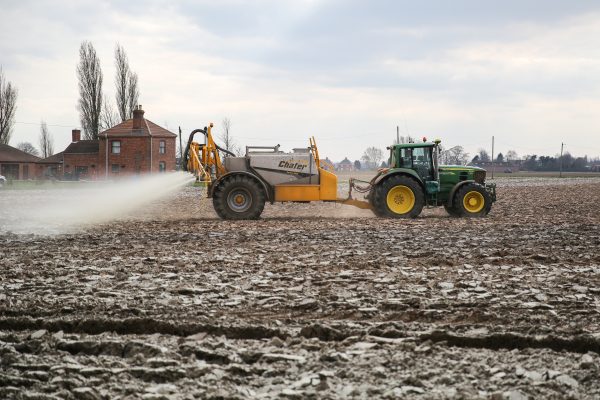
{"x": 472, "y": 200}
{"x": 239, "y": 197}
{"x": 399, "y": 197}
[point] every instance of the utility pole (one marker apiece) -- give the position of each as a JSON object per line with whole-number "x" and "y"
{"x": 562, "y": 145}
{"x": 180, "y": 152}
{"x": 397, "y": 134}
{"x": 492, "y": 157}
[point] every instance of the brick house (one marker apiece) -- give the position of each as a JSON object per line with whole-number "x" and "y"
{"x": 51, "y": 167}
{"x": 345, "y": 165}
{"x": 16, "y": 164}
{"x": 80, "y": 158}
{"x": 136, "y": 146}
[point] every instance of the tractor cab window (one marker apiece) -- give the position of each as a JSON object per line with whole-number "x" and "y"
{"x": 418, "y": 159}
{"x": 406, "y": 158}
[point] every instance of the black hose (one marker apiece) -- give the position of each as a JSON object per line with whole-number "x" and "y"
{"x": 186, "y": 154}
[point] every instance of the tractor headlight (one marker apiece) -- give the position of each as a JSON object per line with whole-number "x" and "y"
{"x": 479, "y": 177}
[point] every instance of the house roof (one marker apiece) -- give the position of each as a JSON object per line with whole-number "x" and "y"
{"x": 11, "y": 154}
{"x": 125, "y": 128}
{"x": 53, "y": 159}
{"x": 345, "y": 161}
{"x": 83, "y": 147}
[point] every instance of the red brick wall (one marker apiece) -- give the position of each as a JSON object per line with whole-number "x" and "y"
{"x": 168, "y": 157}
{"x": 72, "y": 161}
{"x": 134, "y": 157}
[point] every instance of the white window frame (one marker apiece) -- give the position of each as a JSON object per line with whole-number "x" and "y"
{"x": 112, "y": 147}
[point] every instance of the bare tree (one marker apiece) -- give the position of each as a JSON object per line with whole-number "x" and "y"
{"x": 90, "y": 90}
{"x": 8, "y": 107}
{"x": 454, "y": 156}
{"x": 483, "y": 155}
{"x": 121, "y": 81}
{"x": 28, "y": 148}
{"x": 46, "y": 141}
{"x": 127, "y": 94}
{"x": 372, "y": 156}
{"x": 228, "y": 142}
{"x": 134, "y": 93}
{"x": 404, "y": 139}
{"x": 109, "y": 116}
{"x": 511, "y": 155}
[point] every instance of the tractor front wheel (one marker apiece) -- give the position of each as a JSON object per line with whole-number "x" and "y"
{"x": 239, "y": 197}
{"x": 472, "y": 200}
{"x": 399, "y": 197}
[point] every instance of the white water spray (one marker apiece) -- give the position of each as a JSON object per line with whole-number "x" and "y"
{"x": 51, "y": 211}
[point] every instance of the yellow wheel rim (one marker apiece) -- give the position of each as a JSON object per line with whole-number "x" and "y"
{"x": 473, "y": 201}
{"x": 400, "y": 199}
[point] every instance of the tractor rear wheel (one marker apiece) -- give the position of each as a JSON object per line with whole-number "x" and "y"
{"x": 399, "y": 197}
{"x": 472, "y": 200}
{"x": 374, "y": 202}
{"x": 239, "y": 197}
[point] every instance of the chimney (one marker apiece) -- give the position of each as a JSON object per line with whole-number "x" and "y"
{"x": 138, "y": 117}
{"x": 76, "y": 135}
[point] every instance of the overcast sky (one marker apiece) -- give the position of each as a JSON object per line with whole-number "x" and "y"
{"x": 347, "y": 72}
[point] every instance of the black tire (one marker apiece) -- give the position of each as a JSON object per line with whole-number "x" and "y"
{"x": 451, "y": 211}
{"x": 380, "y": 200}
{"x": 239, "y": 197}
{"x": 476, "y": 209}
{"x": 374, "y": 201}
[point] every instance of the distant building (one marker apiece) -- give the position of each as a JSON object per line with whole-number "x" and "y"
{"x": 52, "y": 167}
{"x": 499, "y": 166}
{"x": 80, "y": 158}
{"x": 16, "y": 164}
{"x": 135, "y": 146}
{"x": 345, "y": 165}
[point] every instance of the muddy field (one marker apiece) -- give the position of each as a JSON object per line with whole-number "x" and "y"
{"x": 312, "y": 301}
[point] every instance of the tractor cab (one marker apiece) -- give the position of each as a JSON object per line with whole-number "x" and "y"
{"x": 421, "y": 158}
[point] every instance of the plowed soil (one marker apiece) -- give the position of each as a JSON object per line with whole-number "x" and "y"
{"x": 311, "y": 301}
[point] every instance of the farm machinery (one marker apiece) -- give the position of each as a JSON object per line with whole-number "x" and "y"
{"x": 241, "y": 185}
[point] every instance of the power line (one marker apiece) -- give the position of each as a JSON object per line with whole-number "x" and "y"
{"x": 39, "y": 123}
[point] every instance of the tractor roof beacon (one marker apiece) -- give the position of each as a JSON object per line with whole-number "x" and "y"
{"x": 240, "y": 186}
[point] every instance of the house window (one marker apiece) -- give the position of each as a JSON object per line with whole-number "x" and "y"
{"x": 115, "y": 168}
{"x": 115, "y": 147}
{"x": 162, "y": 147}
{"x": 162, "y": 166}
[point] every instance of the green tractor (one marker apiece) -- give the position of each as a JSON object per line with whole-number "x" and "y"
{"x": 415, "y": 180}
